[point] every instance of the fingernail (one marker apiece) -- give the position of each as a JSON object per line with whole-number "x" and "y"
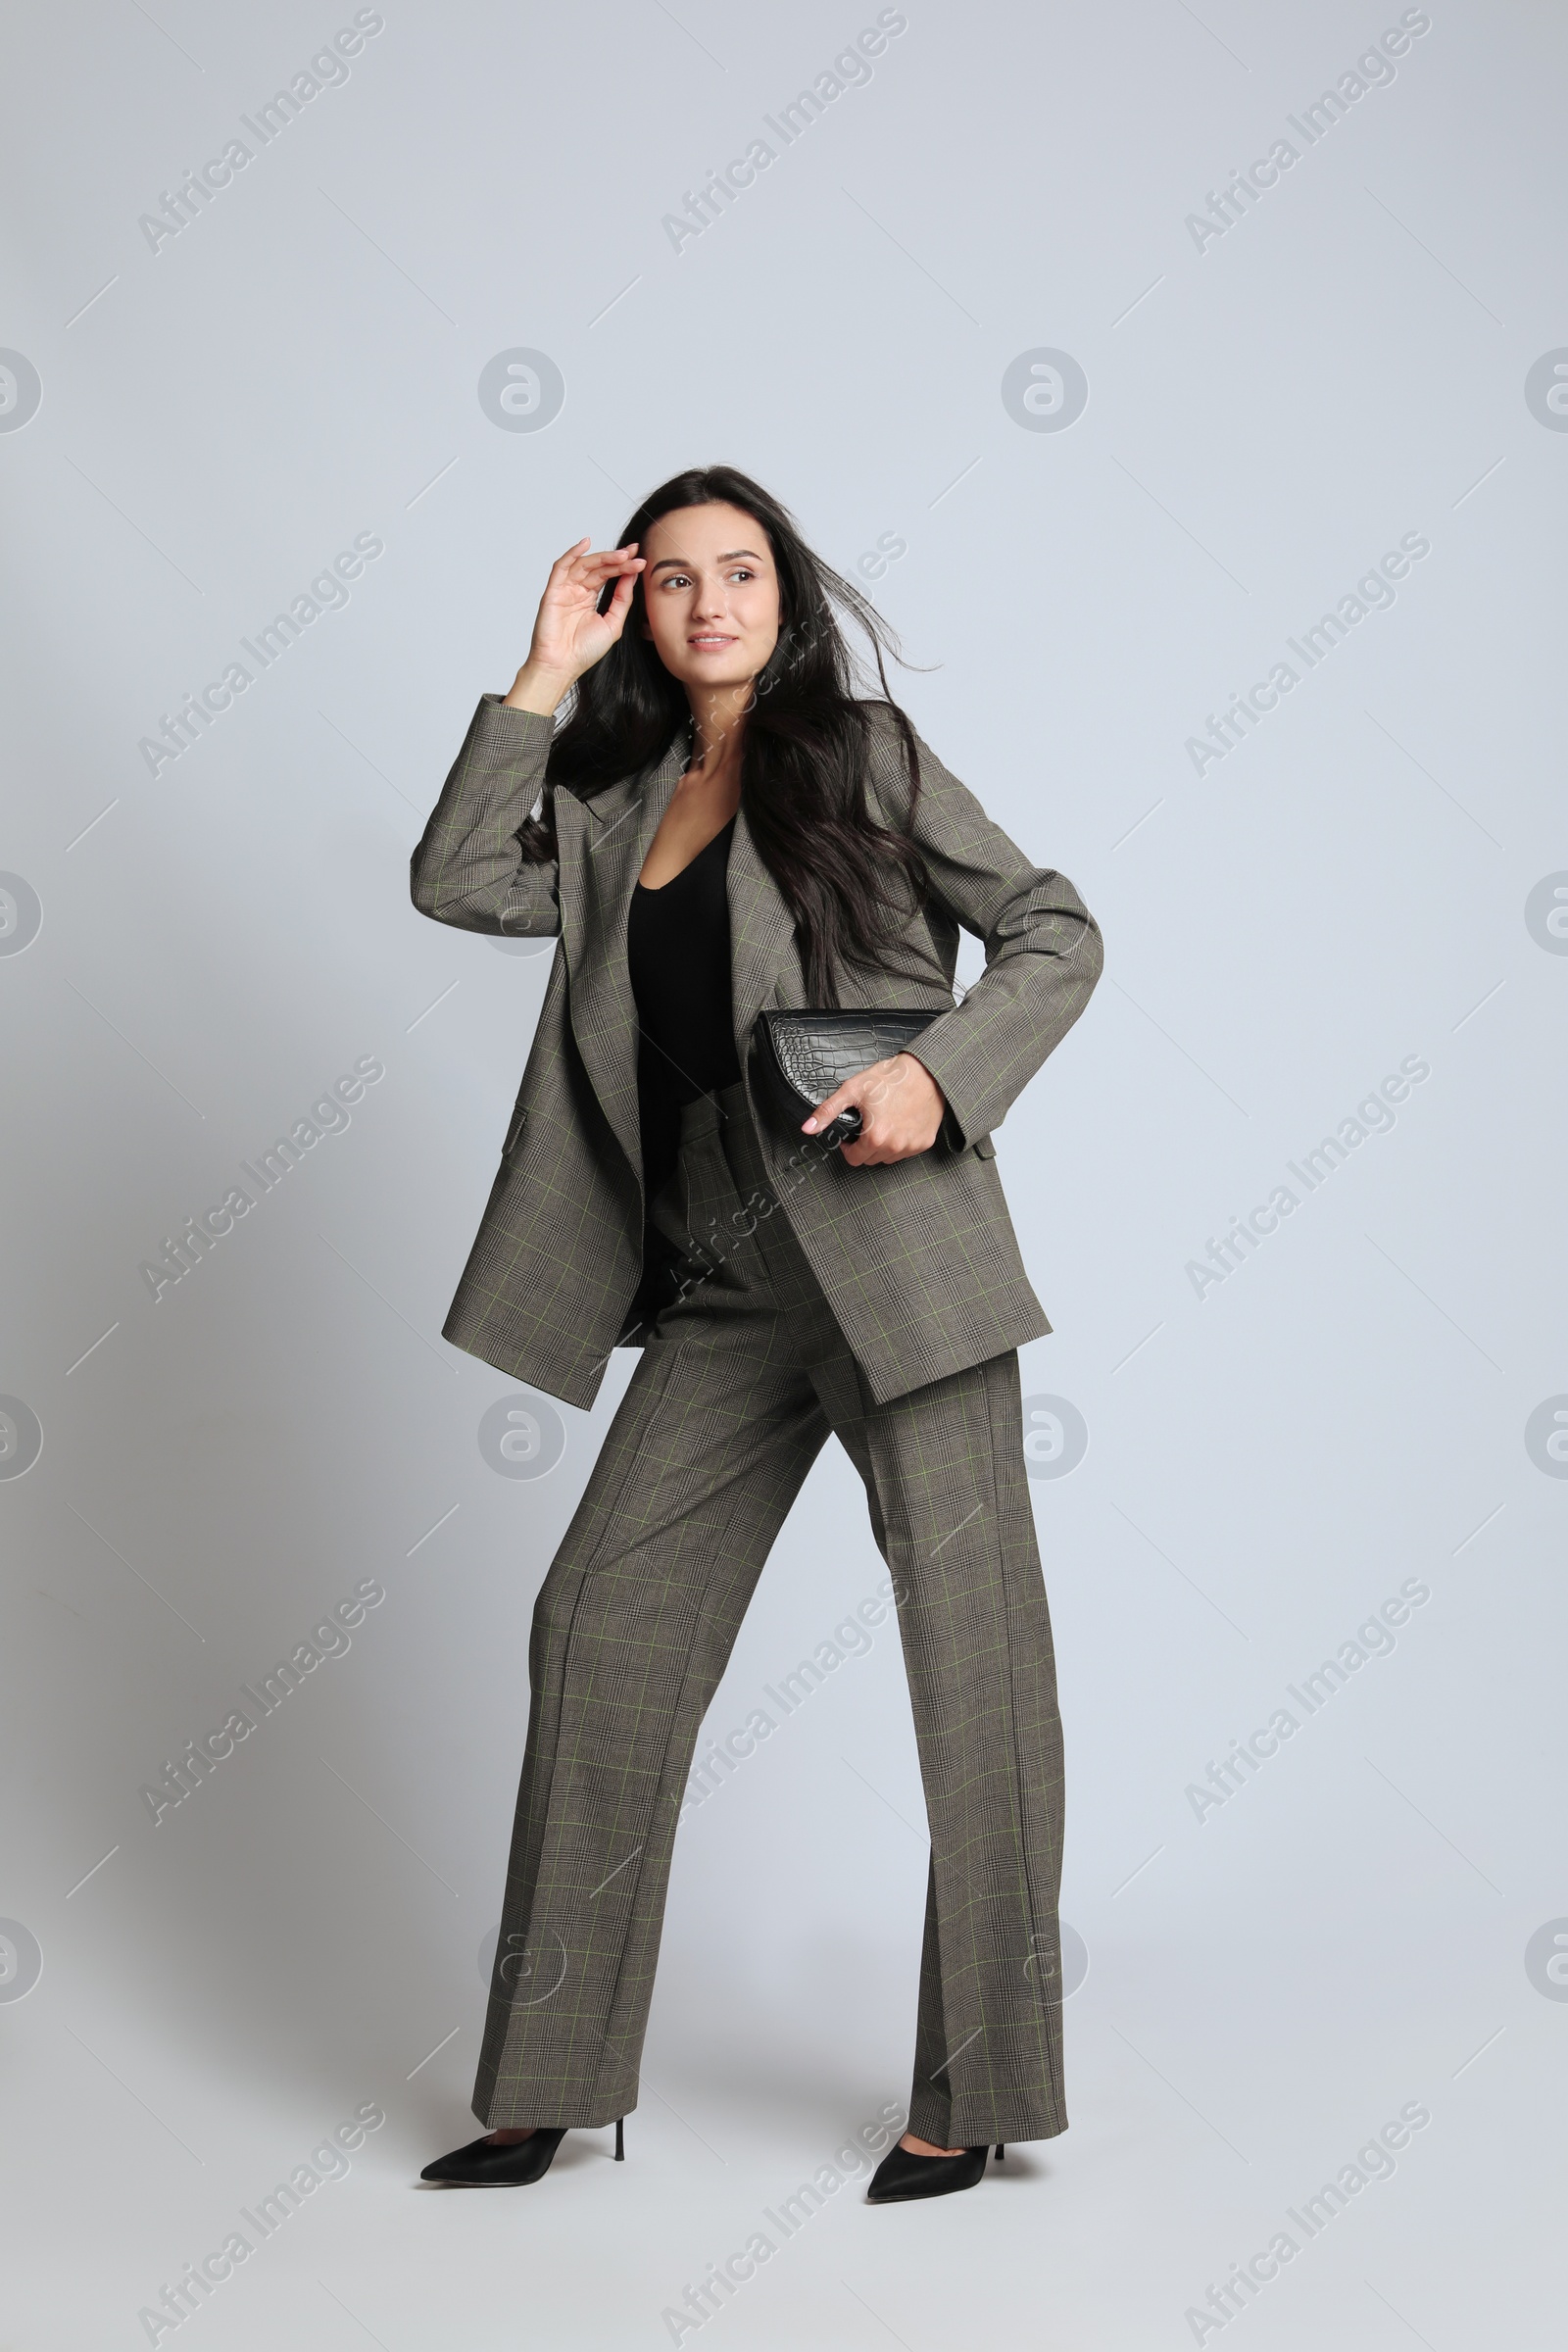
{"x": 810, "y": 1126}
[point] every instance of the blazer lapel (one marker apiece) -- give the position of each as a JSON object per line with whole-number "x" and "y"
{"x": 615, "y": 830}
{"x": 761, "y": 931}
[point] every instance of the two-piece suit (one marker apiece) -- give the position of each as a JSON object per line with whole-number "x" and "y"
{"x": 883, "y": 1303}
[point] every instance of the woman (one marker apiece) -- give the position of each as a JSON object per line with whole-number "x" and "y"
{"x": 720, "y": 824}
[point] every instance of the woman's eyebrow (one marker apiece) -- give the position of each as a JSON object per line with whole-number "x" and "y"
{"x": 680, "y": 563}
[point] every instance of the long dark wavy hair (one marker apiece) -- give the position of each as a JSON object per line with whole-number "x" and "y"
{"x": 845, "y": 877}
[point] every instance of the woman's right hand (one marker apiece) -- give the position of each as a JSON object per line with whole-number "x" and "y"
{"x": 569, "y": 632}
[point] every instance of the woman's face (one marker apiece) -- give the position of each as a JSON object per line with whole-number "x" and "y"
{"x": 710, "y": 595}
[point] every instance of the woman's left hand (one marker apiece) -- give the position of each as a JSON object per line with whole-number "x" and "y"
{"x": 900, "y": 1107}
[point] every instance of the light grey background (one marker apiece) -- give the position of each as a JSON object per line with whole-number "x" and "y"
{"x": 1366, "y": 1923}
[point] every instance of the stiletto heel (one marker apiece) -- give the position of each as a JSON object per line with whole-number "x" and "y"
{"x": 1002, "y": 2149}
{"x": 620, "y": 2140}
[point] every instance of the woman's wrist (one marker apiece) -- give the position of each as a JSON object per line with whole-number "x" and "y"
{"x": 535, "y": 688}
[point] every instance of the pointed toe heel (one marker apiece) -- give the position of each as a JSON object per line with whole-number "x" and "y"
{"x": 901, "y": 2176}
{"x": 487, "y": 2164}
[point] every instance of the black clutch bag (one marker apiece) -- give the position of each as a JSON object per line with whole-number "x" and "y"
{"x": 801, "y": 1055}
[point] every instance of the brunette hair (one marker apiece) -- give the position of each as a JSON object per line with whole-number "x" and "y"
{"x": 845, "y": 877}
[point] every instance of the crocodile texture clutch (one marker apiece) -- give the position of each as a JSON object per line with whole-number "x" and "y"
{"x": 801, "y": 1055}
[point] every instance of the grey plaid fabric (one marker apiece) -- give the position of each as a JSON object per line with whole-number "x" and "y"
{"x": 741, "y": 1381}
{"x": 918, "y": 1261}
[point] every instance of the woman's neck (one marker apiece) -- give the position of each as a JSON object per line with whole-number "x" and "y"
{"x": 718, "y": 726}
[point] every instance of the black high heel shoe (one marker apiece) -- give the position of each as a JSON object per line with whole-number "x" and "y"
{"x": 901, "y": 2175}
{"x": 500, "y": 2164}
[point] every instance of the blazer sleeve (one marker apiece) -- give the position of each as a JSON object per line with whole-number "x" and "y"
{"x": 468, "y": 869}
{"x": 1044, "y": 949}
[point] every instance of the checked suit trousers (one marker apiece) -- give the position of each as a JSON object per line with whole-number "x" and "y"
{"x": 742, "y": 1378}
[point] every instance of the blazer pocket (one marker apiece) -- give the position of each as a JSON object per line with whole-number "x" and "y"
{"x": 983, "y": 1147}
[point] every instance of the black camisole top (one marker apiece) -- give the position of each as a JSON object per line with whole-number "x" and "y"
{"x": 678, "y": 958}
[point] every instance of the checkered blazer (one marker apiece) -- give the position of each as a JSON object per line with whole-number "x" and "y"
{"x": 918, "y": 1260}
